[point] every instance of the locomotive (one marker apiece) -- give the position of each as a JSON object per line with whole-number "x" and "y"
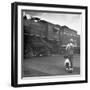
{"x": 43, "y": 38}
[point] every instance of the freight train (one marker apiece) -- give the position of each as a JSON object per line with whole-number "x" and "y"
{"x": 42, "y": 38}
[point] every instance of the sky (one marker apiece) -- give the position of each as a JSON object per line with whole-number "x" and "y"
{"x": 73, "y": 21}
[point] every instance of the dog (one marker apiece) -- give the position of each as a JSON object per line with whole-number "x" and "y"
{"x": 67, "y": 64}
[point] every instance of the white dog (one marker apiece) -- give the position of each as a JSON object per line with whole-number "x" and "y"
{"x": 67, "y": 64}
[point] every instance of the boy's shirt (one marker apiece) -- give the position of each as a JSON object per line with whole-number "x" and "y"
{"x": 70, "y": 49}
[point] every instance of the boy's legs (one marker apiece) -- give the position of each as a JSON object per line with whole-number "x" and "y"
{"x": 71, "y": 60}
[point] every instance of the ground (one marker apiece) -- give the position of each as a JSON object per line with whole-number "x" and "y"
{"x": 48, "y": 66}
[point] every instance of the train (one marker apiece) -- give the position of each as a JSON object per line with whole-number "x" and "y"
{"x": 43, "y": 38}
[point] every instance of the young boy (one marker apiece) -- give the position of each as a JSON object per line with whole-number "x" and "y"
{"x": 70, "y": 53}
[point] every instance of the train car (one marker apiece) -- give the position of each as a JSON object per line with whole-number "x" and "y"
{"x": 66, "y": 35}
{"x": 35, "y": 38}
{"x": 42, "y": 38}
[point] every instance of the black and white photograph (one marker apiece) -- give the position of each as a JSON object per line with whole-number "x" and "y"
{"x": 50, "y": 44}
